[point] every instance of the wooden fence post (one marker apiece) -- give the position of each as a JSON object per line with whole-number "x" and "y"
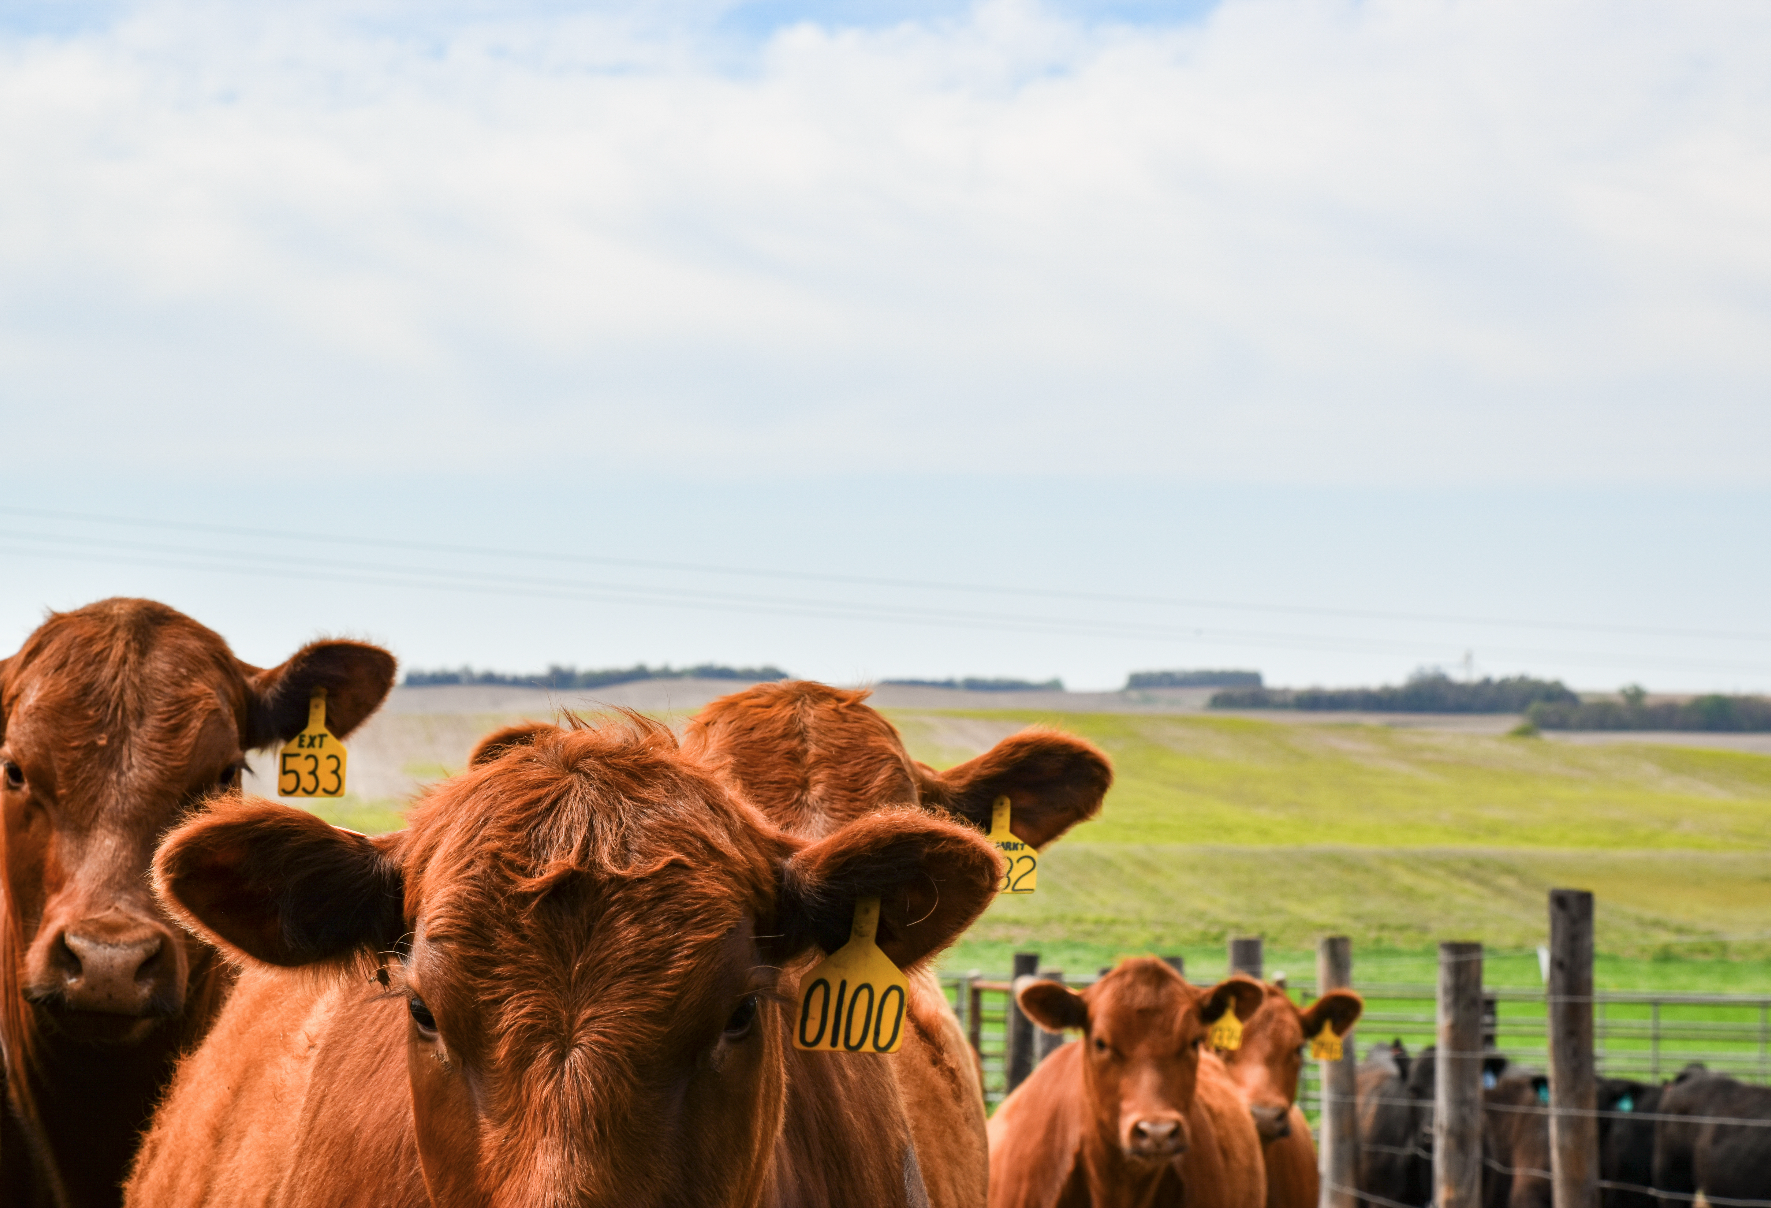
{"x": 1338, "y": 1159}
{"x": 1245, "y": 955}
{"x": 1457, "y": 1108}
{"x": 1177, "y": 963}
{"x": 1046, "y": 1043}
{"x": 1018, "y": 1061}
{"x": 1574, "y": 1130}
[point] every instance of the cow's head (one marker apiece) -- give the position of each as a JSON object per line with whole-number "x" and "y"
{"x": 593, "y": 946}
{"x": 813, "y": 757}
{"x": 1142, "y": 1030}
{"x": 1267, "y": 1066}
{"x": 115, "y": 721}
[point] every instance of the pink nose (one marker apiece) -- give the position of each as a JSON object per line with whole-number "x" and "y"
{"x": 1157, "y": 1136}
{"x": 115, "y": 970}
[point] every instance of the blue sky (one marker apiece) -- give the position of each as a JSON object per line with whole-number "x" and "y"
{"x": 1321, "y": 310}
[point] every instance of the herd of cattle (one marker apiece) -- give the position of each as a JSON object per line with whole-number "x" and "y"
{"x": 570, "y": 980}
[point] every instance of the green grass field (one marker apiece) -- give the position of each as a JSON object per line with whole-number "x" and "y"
{"x": 1398, "y": 838}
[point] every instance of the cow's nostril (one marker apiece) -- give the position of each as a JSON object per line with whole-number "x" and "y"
{"x": 1157, "y": 1130}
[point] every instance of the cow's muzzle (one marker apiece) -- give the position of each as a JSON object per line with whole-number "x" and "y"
{"x": 1158, "y": 1137}
{"x": 112, "y": 964}
{"x": 1271, "y": 1123}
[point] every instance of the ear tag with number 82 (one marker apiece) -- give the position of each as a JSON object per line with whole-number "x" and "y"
{"x": 854, "y": 1001}
{"x": 1325, "y": 1045}
{"x": 1020, "y": 872}
{"x": 312, "y": 763}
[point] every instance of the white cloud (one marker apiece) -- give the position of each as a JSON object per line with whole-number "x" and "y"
{"x": 1308, "y": 242}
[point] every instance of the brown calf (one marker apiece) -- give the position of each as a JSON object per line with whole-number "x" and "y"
{"x": 814, "y": 758}
{"x": 1136, "y": 1112}
{"x": 1265, "y": 1071}
{"x": 116, "y": 720}
{"x": 592, "y": 950}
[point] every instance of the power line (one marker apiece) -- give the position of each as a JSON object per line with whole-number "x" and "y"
{"x": 882, "y": 581}
{"x": 430, "y": 578}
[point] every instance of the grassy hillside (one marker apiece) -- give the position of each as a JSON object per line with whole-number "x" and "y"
{"x": 1399, "y": 838}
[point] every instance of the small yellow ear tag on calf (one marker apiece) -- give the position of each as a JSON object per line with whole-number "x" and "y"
{"x": 854, "y": 1001}
{"x": 1226, "y": 1033}
{"x": 312, "y": 763}
{"x": 1020, "y": 872}
{"x": 1326, "y": 1046}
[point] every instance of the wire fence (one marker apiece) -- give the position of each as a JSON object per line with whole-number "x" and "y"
{"x": 1644, "y": 1037}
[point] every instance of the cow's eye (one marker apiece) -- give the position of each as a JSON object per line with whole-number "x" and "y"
{"x": 15, "y": 775}
{"x": 421, "y": 1014}
{"x": 229, "y": 777}
{"x": 1100, "y": 1045}
{"x": 738, "y": 1025}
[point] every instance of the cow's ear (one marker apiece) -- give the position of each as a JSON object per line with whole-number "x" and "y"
{"x": 357, "y": 678}
{"x": 1052, "y": 781}
{"x": 501, "y": 742}
{"x": 1340, "y": 1009}
{"x": 279, "y": 885}
{"x": 1052, "y": 1005}
{"x": 933, "y": 878}
{"x": 1243, "y": 994}
{"x": 1494, "y": 1065}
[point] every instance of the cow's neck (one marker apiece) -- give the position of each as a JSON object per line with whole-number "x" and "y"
{"x": 91, "y": 1101}
{"x": 1116, "y": 1182}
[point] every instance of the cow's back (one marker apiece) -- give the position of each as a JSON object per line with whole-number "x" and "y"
{"x": 288, "y": 1116}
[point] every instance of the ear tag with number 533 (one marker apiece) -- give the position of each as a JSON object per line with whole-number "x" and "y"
{"x": 1020, "y": 873}
{"x": 854, "y": 1001}
{"x": 312, "y": 763}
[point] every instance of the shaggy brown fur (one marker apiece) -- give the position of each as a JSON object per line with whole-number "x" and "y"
{"x": 1134, "y": 1114}
{"x": 117, "y": 719}
{"x": 1265, "y": 1072}
{"x": 813, "y": 758}
{"x": 591, "y": 967}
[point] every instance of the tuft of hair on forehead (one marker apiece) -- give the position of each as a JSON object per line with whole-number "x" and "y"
{"x": 615, "y": 801}
{"x": 1144, "y": 984}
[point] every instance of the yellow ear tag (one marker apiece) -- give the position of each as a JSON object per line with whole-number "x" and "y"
{"x": 1326, "y": 1046}
{"x": 1020, "y": 873}
{"x": 1226, "y": 1033}
{"x": 854, "y": 1001}
{"x": 312, "y": 763}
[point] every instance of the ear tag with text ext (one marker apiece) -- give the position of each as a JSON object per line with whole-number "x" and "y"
{"x": 1325, "y": 1045}
{"x": 312, "y": 763}
{"x": 854, "y": 1001}
{"x": 1226, "y": 1032}
{"x": 1020, "y": 873}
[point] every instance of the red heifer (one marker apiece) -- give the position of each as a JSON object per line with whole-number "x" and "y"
{"x": 813, "y": 758}
{"x": 1265, "y": 1072}
{"x": 116, "y": 720}
{"x": 1135, "y": 1113}
{"x": 592, "y": 950}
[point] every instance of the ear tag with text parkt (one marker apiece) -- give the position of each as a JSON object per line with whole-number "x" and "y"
{"x": 1325, "y": 1045}
{"x": 1020, "y": 872}
{"x": 1226, "y": 1032}
{"x": 312, "y": 763}
{"x": 854, "y": 1001}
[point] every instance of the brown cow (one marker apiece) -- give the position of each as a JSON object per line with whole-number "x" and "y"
{"x": 117, "y": 719}
{"x": 1135, "y": 1112}
{"x": 1265, "y": 1070}
{"x": 814, "y": 758}
{"x": 592, "y": 949}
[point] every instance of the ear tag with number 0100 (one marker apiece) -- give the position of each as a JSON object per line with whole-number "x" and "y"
{"x": 1325, "y": 1045}
{"x": 1020, "y": 872}
{"x": 1226, "y": 1033}
{"x": 854, "y": 1001}
{"x": 312, "y": 763}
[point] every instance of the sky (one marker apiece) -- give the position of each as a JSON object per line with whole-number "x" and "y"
{"x": 921, "y": 339}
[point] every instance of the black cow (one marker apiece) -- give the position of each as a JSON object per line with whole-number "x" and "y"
{"x": 1396, "y": 1123}
{"x": 1516, "y": 1123}
{"x": 1721, "y": 1161}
